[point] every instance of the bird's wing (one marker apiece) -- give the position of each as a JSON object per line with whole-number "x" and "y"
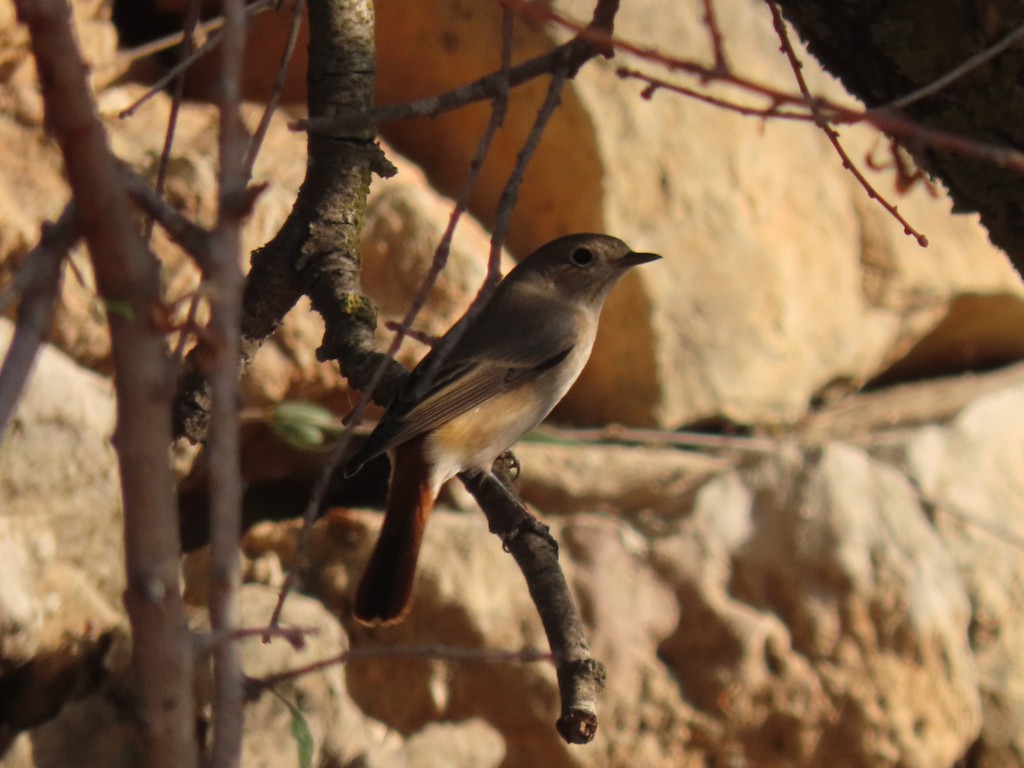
{"x": 473, "y": 384}
{"x": 489, "y": 359}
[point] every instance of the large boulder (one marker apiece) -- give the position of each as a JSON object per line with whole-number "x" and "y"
{"x": 780, "y": 275}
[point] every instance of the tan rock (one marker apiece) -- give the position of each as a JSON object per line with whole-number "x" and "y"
{"x": 827, "y": 615}
{"x": 60, "y": 641}
{"x": 57, "y": 465}
{"x": 780, "y": 276}
{"x": 969, "y": 475}
{"x": 642, "y": 484}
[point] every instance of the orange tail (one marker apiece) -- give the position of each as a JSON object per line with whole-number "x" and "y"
{"x": 384, "y": 595}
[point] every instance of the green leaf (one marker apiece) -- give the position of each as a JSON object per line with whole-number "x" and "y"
{"x": 118, "y": 307}
{"x": 300, "y": 732}
{"x": 306, "y": 426}
{"x": 303, "y": 737}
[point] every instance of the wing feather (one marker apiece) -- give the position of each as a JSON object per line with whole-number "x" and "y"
{"x": 490, "y": 359}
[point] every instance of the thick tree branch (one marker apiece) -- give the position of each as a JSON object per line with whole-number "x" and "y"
{"x": 316, "y": 252}
{"x": 128, "y": 281}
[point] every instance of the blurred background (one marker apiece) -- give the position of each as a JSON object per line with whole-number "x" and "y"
{"x": 787, "y": 488}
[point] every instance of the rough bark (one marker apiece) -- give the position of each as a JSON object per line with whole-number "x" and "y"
{"x": 316, "y": 252}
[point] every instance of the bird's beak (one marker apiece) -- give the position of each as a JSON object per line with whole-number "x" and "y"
{"x": 632, "y": 259}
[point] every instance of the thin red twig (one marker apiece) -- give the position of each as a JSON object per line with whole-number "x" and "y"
{"x": 717, "y": 42}
{"x": 275, "y": 92}
{"x": 830, "y": 132}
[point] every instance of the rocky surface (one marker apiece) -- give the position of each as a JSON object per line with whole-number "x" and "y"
{"x": 838, "y": 582}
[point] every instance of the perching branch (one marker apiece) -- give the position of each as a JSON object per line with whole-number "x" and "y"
{"x": 580, "y": 677}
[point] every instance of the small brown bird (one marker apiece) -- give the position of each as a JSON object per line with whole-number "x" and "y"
{"x": 511, "y": 365}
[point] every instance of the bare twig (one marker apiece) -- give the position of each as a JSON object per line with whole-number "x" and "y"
{"x": 764, "y": 113}
{"x": 193, "y": 239}
{"x": 191, "y": 20}
{"x": 294, "y": 636}
{"x": 721, "y": 64}
{"x": 39, "y": 284}
{"x": 129, "y": 55}
{"x": 225, "y": 280}
{"x": 127, "y": 274}
{"x": 510, "y": 193}
{"x": 255, "y": 686}
{"x": 571, "y": 55}
{"x": 830, "y": 132}
{"x": 977, "y": 60}
{"x": 298, "y": 11}
{"x": 619, "y": 434}
{"x": 187, "y": 61}
{"x": 421, "y": 336}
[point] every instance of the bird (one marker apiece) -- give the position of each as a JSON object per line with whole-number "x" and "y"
{"x": 491, "y": 378}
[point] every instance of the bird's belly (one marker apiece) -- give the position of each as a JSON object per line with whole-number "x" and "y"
{"x": 473, "y": 440}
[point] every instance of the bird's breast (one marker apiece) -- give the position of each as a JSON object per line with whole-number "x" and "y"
{"x": 473, "y": 440}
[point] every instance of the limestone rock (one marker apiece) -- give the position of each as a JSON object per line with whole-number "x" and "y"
{"x": 469, "y": 744}
{"x": 969, "y": 474}
{"x": 800, "y": 608}
{"x": 640, "y": 483}
{"x": 57, "y": 466}
{"x": 780, "y": 275}
{"x": 60, "y": 641}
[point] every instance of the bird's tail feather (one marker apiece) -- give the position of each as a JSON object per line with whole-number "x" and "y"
{"x": 384, "y": 594}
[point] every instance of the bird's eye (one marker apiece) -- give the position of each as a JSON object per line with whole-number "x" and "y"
{"x": 582, "y": 257}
